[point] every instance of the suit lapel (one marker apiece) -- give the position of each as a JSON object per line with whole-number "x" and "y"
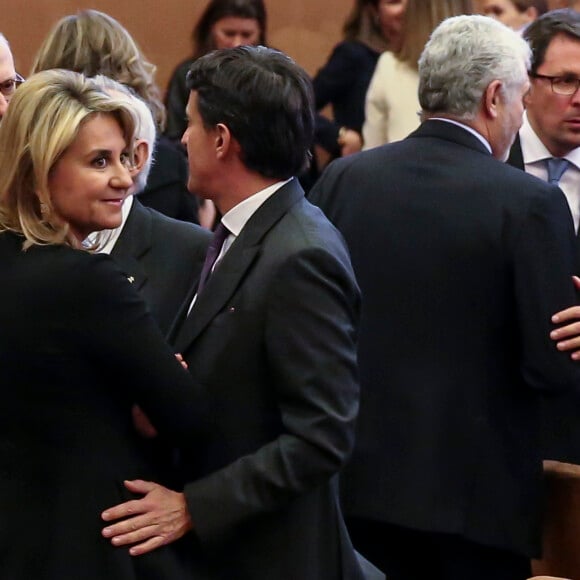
{"x": 133, "y": 243}
{"x": 236, "y": 263}
{"x": 218, "y": 291}
{"x": 516, "y": 157}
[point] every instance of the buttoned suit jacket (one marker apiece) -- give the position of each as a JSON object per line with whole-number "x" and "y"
{"x": 560, "y": 433}
{"x": 271, "y": 339}
{"x": 162, "y": 257}
{"x": 461, "y": 261}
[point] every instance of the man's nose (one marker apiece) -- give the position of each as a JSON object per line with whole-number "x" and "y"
{"x": 575, "y": 98}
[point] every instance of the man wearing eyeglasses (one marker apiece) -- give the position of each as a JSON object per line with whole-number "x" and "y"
{"x": 9, "y": 78}
{"x": 549, "y": 140}
{"x": 549, "y": 148}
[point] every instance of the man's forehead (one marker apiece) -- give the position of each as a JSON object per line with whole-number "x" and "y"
{"x": 191, "y": 102}
{"x": 7, "y": 70}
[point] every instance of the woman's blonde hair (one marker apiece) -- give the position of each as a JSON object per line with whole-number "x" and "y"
{"x": 93, "y": 43}
{"x": 421, "y": 18}
{"x": 42, "y": 121}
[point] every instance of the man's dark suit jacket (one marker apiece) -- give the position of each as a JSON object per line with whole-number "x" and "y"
{"x": 461, "y": 261}
{"x": 272, "y": 340}
{"x": 561, "y": 414}
{"x": 163, "y": 257}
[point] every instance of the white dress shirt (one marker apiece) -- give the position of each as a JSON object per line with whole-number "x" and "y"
{"x": 238, "y": 217}
{"x": 535, "y": 155}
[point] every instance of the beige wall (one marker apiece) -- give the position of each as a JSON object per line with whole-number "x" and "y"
{"x": 305, "y": 29}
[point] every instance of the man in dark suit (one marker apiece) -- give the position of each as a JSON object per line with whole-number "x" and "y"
{"x": 461, "y": 261}
{"x": 550, "y": 134}
{"x": 551, "y": 128}
{"x": 270, "y": 336}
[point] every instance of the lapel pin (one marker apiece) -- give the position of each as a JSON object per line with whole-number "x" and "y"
{"x": 131, "y": 279}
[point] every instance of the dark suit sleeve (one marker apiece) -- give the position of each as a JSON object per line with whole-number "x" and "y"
{"x": 326, "y": 134}
{"x": 310, "y": 338}
{"x": 544, "y": 262}
{"x": 119, "y": 334}
{"x": 328, "y": 186}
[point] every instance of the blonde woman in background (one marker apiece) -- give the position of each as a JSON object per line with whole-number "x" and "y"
{"x": 392, "y": 104}
{"x": 93, "y": 43}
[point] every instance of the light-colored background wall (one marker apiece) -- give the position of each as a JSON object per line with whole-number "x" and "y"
{"x": 305, "y": 29}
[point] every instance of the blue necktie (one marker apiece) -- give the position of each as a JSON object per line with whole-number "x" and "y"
{"x": 556, "y": 168}
{"x": 219, "y": 237}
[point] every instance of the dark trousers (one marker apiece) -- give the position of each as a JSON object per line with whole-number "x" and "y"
{"x": 406, "y": 554}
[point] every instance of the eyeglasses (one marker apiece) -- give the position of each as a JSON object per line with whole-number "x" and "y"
{"x": 561, "y": 85}
{"x": 8, "y": 87}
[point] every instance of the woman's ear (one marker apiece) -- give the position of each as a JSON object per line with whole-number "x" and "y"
{"x": 140, "y": 156}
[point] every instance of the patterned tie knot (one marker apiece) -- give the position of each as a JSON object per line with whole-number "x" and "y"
{"x": 556, "y": 168}
{"x": 219, "y": 237}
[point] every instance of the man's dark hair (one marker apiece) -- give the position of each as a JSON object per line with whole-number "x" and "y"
{"x": 540, "y": 33}
{"x": 266, "y": 101}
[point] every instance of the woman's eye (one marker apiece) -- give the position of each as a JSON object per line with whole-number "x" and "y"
{"x": 100, "y": 162}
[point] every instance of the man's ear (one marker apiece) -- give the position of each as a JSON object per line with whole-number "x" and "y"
{"x": 492, "y": 98}
{"x": 140, "y": 156}
{"x": 529, "y": 96}
{"x": 225, "y": 142}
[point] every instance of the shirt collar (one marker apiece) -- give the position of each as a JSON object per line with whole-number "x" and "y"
{"x": 467, "y": 128}
{"x": 239, "y": 215}
{"x": 533, "y": 150}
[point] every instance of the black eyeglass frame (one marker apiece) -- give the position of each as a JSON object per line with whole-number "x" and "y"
{"x": 9, "y": 86}
{"x": 555, "y": 79}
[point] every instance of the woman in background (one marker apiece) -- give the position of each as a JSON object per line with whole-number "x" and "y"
{"x": 392, "y": 105}
{"x": 372, "y": 27}
{"x": 223, "y": 24}
{"x": 517, "y": 14}
{"x": 78, "y": 348}
{"x": 94, "y": 43}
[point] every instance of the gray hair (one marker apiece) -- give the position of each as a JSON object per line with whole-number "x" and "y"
{"x": 464, "y": 55}
{"x": 146, "y": 128}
